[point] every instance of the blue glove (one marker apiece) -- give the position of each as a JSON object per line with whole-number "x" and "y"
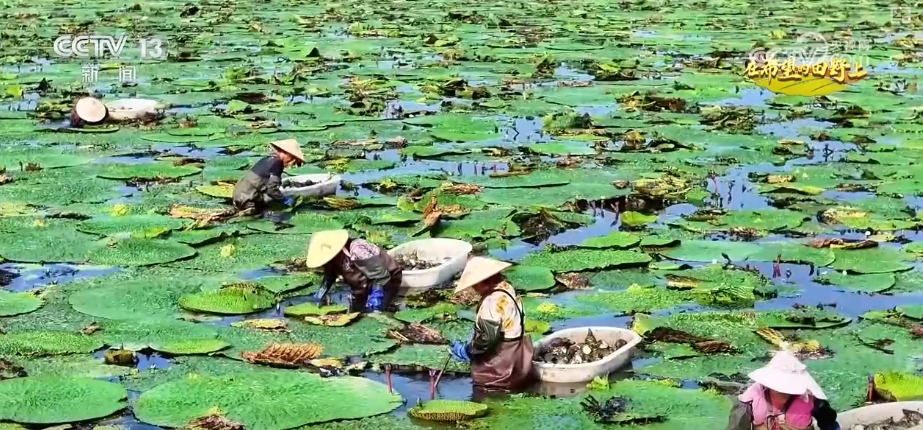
{"x": 288, "y": 201}
{"x": 459, "y": 352}
{"x": 375, "y": 300}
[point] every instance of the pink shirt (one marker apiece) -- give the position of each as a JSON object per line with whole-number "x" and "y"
{"x": 798, "y": 415}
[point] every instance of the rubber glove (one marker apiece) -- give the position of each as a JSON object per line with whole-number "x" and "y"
{"x": 288, "y": 201}
{"x": 459, "y": 352}
{"x": 375, "y": 300}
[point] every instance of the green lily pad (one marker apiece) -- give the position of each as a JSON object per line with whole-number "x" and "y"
{"x": 638, "y": 299}
{"x": 420, "y": 356}
{"x": 46, "y": 245}
{"x": 617, "y": 239}
{"x": 110, "y": 225}
{"x": 231, "y": 300}
{"x": 134, "y": 252}
{"x": 870, "y": 283}
{"x": 12, "y": 304}
{"x": 793, "y": 253}
{"x": 265, "y": 400}
{"x": 577, "y": 260}
{"x": 46, "y": 159}
{"x": 138, "y": 334}
{"x": 710, "y": 251}
{"x": 310, "y": 309}
{"x": 26, "y": 400}
{"x": 42, "y": 343}
{"x": 147, "y": 171}
{"x": 529, "y": 278}
{"x": 191, "y": 347}
{"x": 871, "y": 260}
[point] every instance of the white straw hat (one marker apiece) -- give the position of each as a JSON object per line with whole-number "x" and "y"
{"x": 478, "y": 269}
{"x": 324, "y": 246}
{"x": 786, "y": 374}
{"x": 290, "y": 146}
{"x": 90, "y": 110}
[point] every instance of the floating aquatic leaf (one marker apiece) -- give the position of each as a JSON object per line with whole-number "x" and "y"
{"x": 190, "y": 347}
{"x": 262, "y": 324}
{"x": 334, "y": 320}
{"x": 42, "y": 343}
{"x": 584, "y": 259}
{"x": 138, "y": 334}
{"x": 140, "y": 252}
{"x": 871, "y": 283}
{"x": 129, "y": 224}
{"x": 26, "y": 400}
{"x": 616, "y": 239}
{"x": 447, "y": 410}
{"x": 899, "y": 387}
{"x": 529, "y": 278}
{"x": 307, "y": 309}
{"x": 265, "y": 400}
{"x": 221, "y": 191}
{"x": 230, "y": 300}
{"x": 146, "y": 171}
{"x": 872, "y": 260}
{"x": 18, "y": 303}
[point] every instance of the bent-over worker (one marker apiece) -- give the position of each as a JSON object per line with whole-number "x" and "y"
{"x": 500, "y": 352}
{"x": 259, "y": 187}
{"x": 372, "y": 275}
{"x": 783, "y": 396}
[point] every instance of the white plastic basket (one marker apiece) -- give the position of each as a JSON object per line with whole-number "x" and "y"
{"x": 874, "y": 413}
{"x": 585, "y": 372}
{"x": 130, "y": 109}
{"x": 325, "y": 184}
{"x": 436, "y": 249}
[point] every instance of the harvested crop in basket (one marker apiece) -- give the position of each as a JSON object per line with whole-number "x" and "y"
{"x": 566, "y": 351}
{"x": 911, "y": 419}
{"x": 411, "y": 261}
{"x": 297, "y": 184}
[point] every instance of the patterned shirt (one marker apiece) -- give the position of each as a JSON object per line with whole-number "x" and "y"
{"x": 499, "y": 308}
{"x": 360, "y": 250}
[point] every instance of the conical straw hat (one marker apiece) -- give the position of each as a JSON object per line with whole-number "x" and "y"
{"x": 324, "y": 246}
{"x": 290, "y": 146}
{"x": 478, "y": 269}
{"x": 90, "y": 109}
{"x": 786, "y": 374}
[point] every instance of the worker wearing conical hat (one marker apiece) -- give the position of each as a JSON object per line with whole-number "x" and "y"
{"x": 88, "y": 111}
{"x": 374, "y": 278}
{"x": 259, "y": 187}
{"x": 500, "y": 352}
{"x": 783, "y": 396}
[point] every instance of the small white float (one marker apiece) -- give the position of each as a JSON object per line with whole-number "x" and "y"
{"x": 874, "y": 413}
{"x": 585, "y": 372}
{"x": 454, "y": 252}
{"x": 325, "y": 184}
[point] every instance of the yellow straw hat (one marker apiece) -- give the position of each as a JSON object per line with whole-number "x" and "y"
{"x": 479, "y": 269}
{"x": 324, "y": 246}
{"x": 290, "y": 146}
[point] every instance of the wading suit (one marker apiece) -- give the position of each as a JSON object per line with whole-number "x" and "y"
{"x": 500, "y": 350}
{"x": 260, "y": 186}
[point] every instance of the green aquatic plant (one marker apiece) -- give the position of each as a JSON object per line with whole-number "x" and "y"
{"x": 232, "y": 299}
{"x": 899, "y": 387}
{"x": 77, "y": 399}
{"x": 447, "y": 410}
